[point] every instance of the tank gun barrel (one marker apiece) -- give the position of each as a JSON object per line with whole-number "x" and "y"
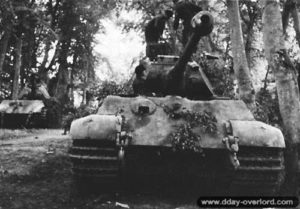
{"x": 202, "y": 24}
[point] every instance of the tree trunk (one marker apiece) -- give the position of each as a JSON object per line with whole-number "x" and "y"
{"x": 83, "y": 102}
{"x": 287, "y": 88}
{"x": 86, "y": 80}
{"x": 287, "y": 8}
{"x": 71, "y": 87}
{"x": 295, "y": 17}
{"x": 240, "y": 64}
{"x": 62, "y": 84}
{"x": 42, "y": 69}
{"x": 249, "y": 29}
{"x": 3, "y": 48}
{"x": 17, "y": 66}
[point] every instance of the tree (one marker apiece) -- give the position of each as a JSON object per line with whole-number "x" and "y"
{"x": 66, "y": 28}
{"x": 250, "y": 14}
{"x": 20, "y": 27}
{"x": 17, "y": 66}
{"x": 77, "y": 23}
{"x": 3, "y": 48}
{"x": 290, "y": 9}
{"x": 286, "y": 84}
{"x": 240, "y": 64}
{"x": 6, "y": 24}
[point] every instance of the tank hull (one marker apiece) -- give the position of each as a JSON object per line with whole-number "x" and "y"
{"x": 13, "y": 120}
{"x": 29, "y": 114}
{"x": 128, "y": 143}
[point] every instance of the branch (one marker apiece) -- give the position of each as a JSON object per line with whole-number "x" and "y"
{"x": 56, "y": 54}
{"x": 47, "y": 25}
{"x": 40, "y": 20}
{"x": 213, "y": 45}
{"x": 246, "y": 21}
{"x": 149, "y": 11}
{"x": 287, "y": 62}
{"x": 45, "y": 59}
{"x": 266, "y": 78}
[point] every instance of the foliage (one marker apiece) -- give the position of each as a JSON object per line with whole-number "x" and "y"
{"x": 84, "y": 110}
{"x": 184, "y": 138}
{"x": 205, "y": 120}
{"x": 99, "y": 92}
{"x": 268, "y": 107}
{"x": 149, "y": 9}
{"x": 111, "y": 88}
{"x": 219, "y": 74}
{"x": 66, "y": 28}
{"x": 4, "y": 92}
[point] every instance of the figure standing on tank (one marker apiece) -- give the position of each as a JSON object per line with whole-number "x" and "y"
{"x": 139, "y": 83}
{"x": 185, "y": 10}
{"x": 154, "y": 30}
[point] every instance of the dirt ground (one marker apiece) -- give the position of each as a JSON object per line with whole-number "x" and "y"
{"x": 35, "y": 173}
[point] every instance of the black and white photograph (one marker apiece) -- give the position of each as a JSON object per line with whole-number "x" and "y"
{"x": 149, "y": 104}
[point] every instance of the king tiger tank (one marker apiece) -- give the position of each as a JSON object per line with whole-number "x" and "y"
{"x": 34, "y": 108}
{"x": 175, "y": 131}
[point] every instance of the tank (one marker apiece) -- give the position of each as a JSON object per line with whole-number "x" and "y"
{"x": 34, "y": 108}
{"x": 177, "y": 132}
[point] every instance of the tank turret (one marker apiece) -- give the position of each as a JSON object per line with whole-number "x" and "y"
{"x": 173, "y": 75}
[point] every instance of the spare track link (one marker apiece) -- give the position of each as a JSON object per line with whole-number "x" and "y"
{"x": 261, "y": 171}
{"x": 95, "y": 161}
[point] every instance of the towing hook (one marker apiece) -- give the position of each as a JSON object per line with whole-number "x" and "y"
{"x": 123, "y": 139}
{"x": 231, "y": 144}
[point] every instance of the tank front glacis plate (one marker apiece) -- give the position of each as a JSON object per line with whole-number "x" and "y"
{"x": 150, "y": 124}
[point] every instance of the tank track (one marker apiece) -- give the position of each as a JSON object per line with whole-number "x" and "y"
{"x": 95, "y": 162}
{"x": 261, "y": 171}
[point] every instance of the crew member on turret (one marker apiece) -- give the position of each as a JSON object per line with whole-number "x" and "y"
{"x": 185, "y": 10}
{"x": 155, "y": 27}
{"x": 138, "y": 84}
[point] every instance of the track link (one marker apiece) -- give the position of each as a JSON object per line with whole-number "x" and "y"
{"x": 95, "y": 161}
{"x": 261, "y": 171}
